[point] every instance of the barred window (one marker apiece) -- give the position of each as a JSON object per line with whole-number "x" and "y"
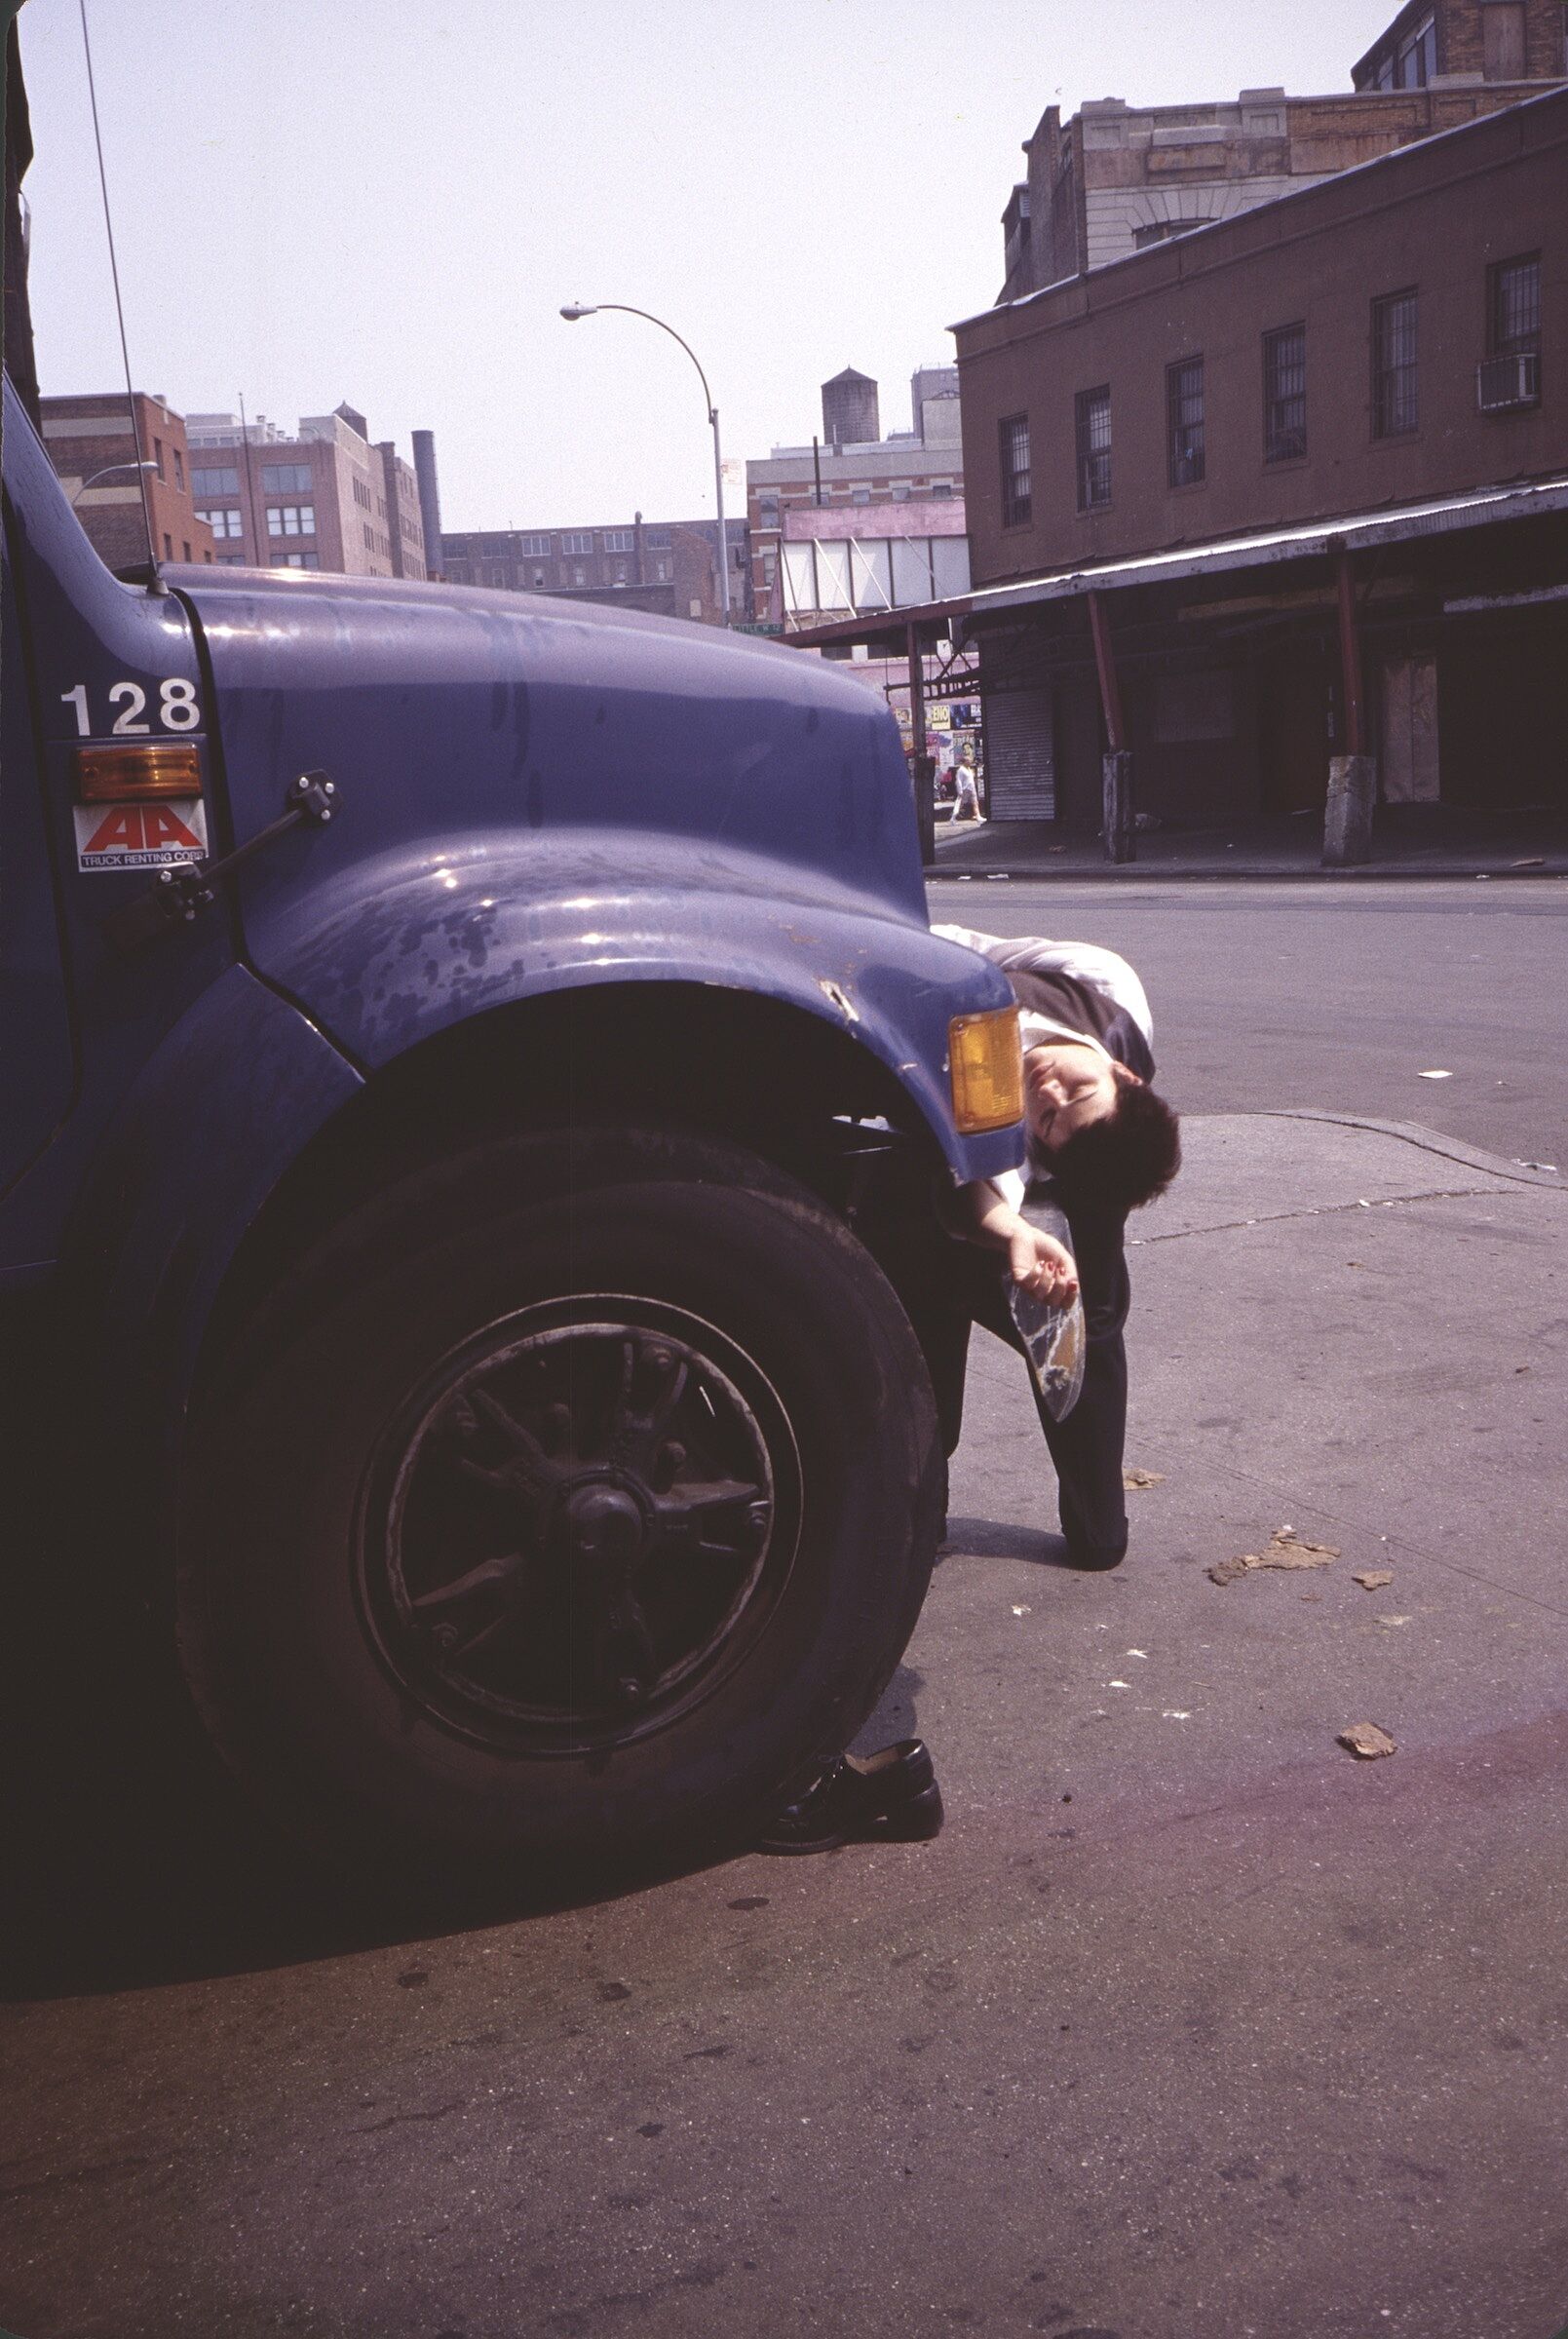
{"x": 1017, "y": 503}
{"x": 1093, "y": 420}
{"x": 1394, "y": 364}
{"x": 1184, "y": 422}
{"x": 1284, "y": 394}
{"x": 1514, "y": 307}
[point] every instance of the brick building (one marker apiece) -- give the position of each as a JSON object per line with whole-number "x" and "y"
{"x": 665, "y": 566}
{"x": 322, "y": 497}
{"x": 925, "y": 461}
{"x": 1116, "y": 178}
{"x": 91, "y": 436}
{"x": 1175, "y": 461}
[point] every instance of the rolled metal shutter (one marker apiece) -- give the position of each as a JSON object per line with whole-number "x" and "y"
{"x": 1020, "y": 770}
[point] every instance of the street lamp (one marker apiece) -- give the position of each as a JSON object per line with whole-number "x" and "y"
{"x": 576, "y": 309}
{"x": 108, "y": 472}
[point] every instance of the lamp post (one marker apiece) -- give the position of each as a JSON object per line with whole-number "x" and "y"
{"x": 576, "y": 309}
{"x": 109, "y": 471}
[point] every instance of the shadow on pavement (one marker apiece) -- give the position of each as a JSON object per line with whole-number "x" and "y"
{"x": 1003, "y": 1539}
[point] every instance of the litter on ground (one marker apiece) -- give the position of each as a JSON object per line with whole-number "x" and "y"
{"x": 1434, "y": 1076}
{"x": 1133, "y": 1479}
{"x": 1389, "y": 1622}
{"x": 1366, "y": 1741}
{"x": 1373, "y": 1579}
{"x": 1284, "y": 1548}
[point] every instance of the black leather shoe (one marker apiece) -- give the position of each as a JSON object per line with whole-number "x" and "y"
{"x": 891, "y": 1796}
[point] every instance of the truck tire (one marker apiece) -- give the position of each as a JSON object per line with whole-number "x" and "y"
{"x": 563, "y": 1509}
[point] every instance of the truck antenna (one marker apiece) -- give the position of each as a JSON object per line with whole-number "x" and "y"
{"x": 156, "y": 584}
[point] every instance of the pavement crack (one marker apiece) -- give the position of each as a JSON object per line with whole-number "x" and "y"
{"x": 1323, "y": 1209}
{"x": 375, "y": 2127}
{"x": 95, "y": 2173}
{"x": 1309, "y": 1504}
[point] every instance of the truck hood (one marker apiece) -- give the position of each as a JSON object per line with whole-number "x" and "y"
{"x": 444, "y": 713}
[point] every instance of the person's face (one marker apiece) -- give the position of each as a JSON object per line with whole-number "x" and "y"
{"x": 1066, "y": 1086}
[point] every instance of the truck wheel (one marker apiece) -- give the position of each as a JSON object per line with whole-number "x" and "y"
{"x": 568, "y": 1505}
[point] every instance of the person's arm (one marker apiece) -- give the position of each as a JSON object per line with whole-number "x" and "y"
{"x": 986, "y": 1212}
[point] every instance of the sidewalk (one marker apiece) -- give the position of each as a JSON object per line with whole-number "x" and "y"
{"x": 1407, "y": 842}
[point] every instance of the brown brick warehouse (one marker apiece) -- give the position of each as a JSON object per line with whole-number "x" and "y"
{"x": 1322, "y": 442}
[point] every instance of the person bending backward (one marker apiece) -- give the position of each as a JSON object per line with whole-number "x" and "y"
{"x": 1100, "y": 1143}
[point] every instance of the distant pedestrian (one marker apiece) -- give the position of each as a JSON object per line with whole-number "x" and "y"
{"x": 968, "y": 807}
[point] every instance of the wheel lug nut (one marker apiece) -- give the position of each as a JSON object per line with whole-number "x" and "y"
{"x": 629, "y": 1691}
{"x": 671, "y": 1460}
{"x": 445, "y": 1636}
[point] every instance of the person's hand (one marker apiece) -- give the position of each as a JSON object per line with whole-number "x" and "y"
{"x": 1041, "y": 1265}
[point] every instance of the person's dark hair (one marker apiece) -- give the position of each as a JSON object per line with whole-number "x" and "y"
{"x": 1125, "y": 1160}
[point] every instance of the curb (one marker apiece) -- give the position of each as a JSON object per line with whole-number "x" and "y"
{"x": 1429, "y": 1140}
{"x": 1145, "y": 873}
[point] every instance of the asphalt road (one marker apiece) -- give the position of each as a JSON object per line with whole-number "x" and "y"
{"x": 1334, "y": 996}
{"x": 1189, "y": 2025}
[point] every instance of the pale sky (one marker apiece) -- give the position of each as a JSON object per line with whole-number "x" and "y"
{"x": 388, "y": 201}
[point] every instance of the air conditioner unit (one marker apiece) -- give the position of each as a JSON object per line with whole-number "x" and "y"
{"x": 1505, "y": 382}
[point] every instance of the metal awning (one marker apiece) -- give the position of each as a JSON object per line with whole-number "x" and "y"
{"x": 1361, "y": 531}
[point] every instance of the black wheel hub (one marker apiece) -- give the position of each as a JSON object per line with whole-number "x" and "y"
{"x": 577, "y": 1523}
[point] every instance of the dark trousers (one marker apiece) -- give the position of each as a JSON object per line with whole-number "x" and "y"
{"x": 962, "y": 1285}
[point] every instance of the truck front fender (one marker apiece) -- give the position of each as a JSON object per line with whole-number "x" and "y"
{"x": 230, "y": 1100}
{"x": 402, "y": 946}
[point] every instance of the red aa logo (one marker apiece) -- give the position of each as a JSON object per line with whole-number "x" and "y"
{"x": 142, "y": 829}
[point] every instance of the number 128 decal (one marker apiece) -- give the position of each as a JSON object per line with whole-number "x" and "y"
{"x": 178, "y": 708}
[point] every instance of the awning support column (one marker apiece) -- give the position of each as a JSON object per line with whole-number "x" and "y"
{"x": 1120, "y": 820}
{"x": 921, "y": 769}
{"x": 1353, "y": 776}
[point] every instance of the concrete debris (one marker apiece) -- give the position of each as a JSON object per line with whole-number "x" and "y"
{"x": 1366, "y": 1741}
{"x": 1373, "y": 1579}
{"x": 1133, "y": 1479}
{"x": 1284, "y": 1548}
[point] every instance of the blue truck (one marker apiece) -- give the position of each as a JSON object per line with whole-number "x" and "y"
{"x": 475, "y": 1067}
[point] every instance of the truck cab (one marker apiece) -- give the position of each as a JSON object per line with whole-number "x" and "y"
{"x": 474, "y": 1067}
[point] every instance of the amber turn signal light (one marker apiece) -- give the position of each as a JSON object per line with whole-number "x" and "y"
{"x": 987, "y": 1070}
{"x": 120, "y": 775}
